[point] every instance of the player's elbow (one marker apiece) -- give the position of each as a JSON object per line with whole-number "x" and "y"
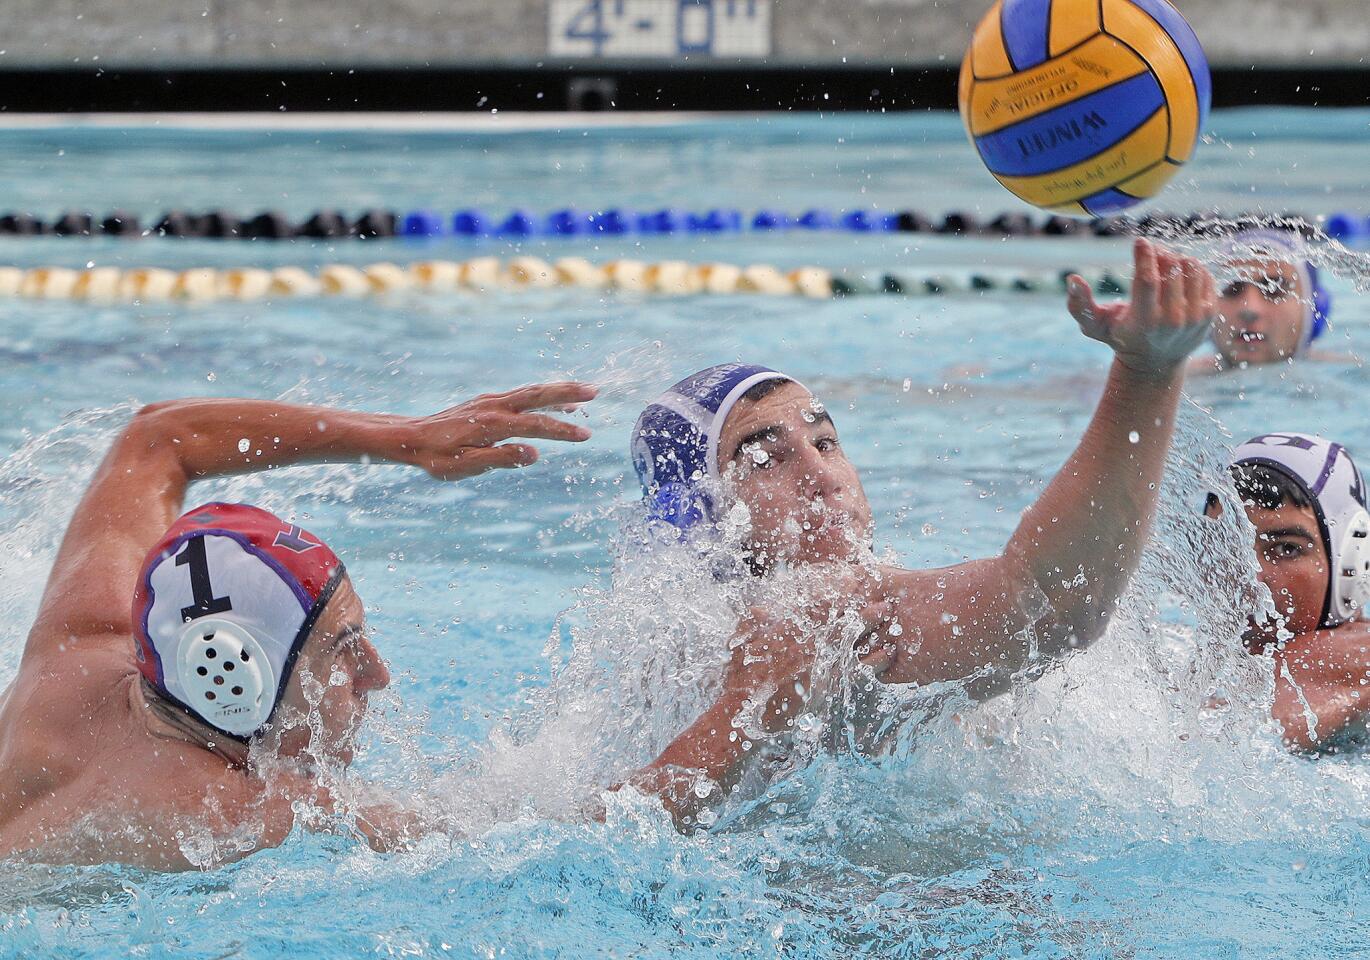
{"x": 148, "y": 436}
{"x": 158, "y": 413}
{"x": 159, "y": 421}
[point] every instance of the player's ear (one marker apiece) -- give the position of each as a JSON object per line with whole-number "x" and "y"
{"x": 1213, "y": 507}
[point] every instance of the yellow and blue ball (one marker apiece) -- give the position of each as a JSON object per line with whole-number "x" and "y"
{"x": 1084, "y": 107}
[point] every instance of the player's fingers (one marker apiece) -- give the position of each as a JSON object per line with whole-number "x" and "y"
{"x": 1145, "y": 278}
{"x": 1080, "y": 300}
{"x": 1194, "y": 290}
{"x": 1172, "y": 289}
{"x": 478, "y": 460}
{"x": 541, "y": 395}
{"x": 539, "y": 426}
{"x": 1210, "y": 295}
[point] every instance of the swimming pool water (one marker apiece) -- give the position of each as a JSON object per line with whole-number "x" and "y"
{"x": 1109, "y": 810}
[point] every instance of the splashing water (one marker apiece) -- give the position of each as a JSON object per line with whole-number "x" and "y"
{"x": 1155, "y": 740}
{"x": 1131, "y": 802}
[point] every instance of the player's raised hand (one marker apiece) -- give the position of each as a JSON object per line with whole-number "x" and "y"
{"x": 466, "y": 440}
{"x": 1174, "y": 301}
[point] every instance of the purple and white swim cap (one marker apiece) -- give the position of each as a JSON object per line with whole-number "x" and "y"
{"x": 675, "y": 440}
{"x": 1328, "y": 476}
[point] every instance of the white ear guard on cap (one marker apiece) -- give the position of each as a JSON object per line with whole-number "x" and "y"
{"x": 225, "y": 675}
{"x": 1351, "y": 577}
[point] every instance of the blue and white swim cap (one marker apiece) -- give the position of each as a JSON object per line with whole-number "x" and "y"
{"x": 1270, "y": 244}
{"x": 675, "y": 440}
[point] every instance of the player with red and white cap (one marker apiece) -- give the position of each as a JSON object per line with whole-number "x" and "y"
{"x": 169, "y": 656}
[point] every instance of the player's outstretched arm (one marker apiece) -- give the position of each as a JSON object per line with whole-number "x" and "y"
{"x": 139, "y": 488}
{"x": 1076, "y": 548}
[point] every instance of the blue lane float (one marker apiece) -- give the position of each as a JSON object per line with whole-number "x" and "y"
{"x": 519, "y": 223}
{"x": 567, "y": 222}
{"x": 770, "y": 220}
{"x": 815, "y": 220}
{"x": 470, "y": 223}
{"x": 563, "y": 223}
{"x": 613, "y": 222}
{"x": 421, "y": 223}
{"x": 714, "y": 221}
{"x": 859, "y": 221}
{"x": 661, "y": 222}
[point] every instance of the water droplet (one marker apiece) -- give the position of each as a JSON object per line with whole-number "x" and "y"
{"x": 1134, "y": 437}
{"x": 244, "y": 445}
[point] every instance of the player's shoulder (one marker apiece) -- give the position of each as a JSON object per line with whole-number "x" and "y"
{"x": 76, "y": 671}
{"x": 1353, "y": 634}
{"x": 1331, "y": 650}
{"x": 53, "y": 713}
{"x": 81, "y": 662}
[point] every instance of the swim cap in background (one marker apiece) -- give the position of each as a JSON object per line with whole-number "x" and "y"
{"x": 222, "y": 605}
{"x": 1327, "y": 474}
{"x": 675, "y": 440}
{"x": 1282, "y": 245}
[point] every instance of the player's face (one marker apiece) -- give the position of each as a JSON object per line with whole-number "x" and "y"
{"x": 337, "y": 668}
{"x": 781, "y": 457}
{"x": 1260, "y": 313}
{"x": 1294, "y": 567}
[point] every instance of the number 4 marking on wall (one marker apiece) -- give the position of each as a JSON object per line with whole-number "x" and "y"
{"x": 588, "y": 24}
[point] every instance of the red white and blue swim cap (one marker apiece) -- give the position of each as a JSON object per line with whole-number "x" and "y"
{"x": 222, "y": 606}
{"x": 675, "y": 440}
